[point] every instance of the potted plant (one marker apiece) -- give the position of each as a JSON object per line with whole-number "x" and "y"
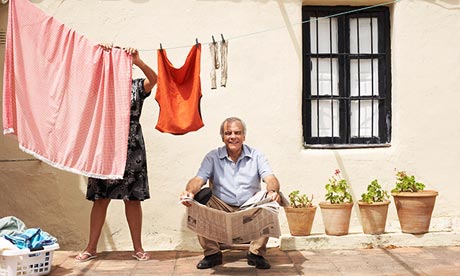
{"x": 414, "y": 204}
{"x": 373, "y": 208}
{"x": 300, "y": 214}
{"x": 336, "y": 211}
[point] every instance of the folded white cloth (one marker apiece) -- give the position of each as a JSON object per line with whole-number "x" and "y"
{"x": 6, "y": 245}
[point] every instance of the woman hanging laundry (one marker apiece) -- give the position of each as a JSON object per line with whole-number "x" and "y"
{"x": 134, "y": 186}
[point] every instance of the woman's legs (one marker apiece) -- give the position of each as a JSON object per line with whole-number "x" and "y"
{"x": 133, "y": 211}
{"x": 97, "y": 220}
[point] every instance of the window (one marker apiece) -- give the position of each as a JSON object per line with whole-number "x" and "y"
{"x": 346, "y": 77}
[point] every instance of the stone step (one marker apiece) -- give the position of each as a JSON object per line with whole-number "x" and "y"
{"x": 360, "y": 240}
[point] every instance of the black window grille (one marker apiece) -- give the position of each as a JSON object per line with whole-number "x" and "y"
{"x": 346, "y": 76}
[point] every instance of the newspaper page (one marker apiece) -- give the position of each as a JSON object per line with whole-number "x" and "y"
{"x": 259, "y": 218}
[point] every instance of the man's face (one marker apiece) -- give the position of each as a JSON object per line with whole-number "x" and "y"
{"x": 233, "y": 136}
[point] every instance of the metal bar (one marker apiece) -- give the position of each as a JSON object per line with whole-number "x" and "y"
{"x": 359, "y": 77}
{"x": 18, "y": 160}
{"x": 332, "y": 82}
{"x": 372, "y": 78}
{"x": 317, "y": 79}
{"x": 2, "y": 38}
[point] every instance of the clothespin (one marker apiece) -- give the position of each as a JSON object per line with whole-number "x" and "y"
{"x": 221, "y": 35}
{"x": 161, "y": 47}
{"x": 196, "y": 39}
{"x": 213, "y": 40}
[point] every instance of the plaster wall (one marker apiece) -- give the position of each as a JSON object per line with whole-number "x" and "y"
{"x": 264, "y": 88}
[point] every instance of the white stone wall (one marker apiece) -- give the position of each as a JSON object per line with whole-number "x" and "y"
{"x": 264, "y": 88}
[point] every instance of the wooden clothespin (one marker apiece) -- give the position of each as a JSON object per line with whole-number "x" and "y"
{"x": 161, "y": 47}
{"x": 223, "y": 40}
{"x": 196, "y": 40}
{"x": 213, "y": 40}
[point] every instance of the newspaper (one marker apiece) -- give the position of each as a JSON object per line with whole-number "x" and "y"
{"x": 258, "y": 217}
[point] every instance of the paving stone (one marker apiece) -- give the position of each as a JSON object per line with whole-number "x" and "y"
{"x": 396, "y": 261}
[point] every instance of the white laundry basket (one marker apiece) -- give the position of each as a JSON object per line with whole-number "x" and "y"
{"x": 23, "y": 262}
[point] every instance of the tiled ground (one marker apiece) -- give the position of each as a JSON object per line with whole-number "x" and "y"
{"x": 413, "y": 261}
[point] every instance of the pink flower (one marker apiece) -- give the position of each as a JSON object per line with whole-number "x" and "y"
{"x": 401, "y": 174}
{"x": 337, "y": 171}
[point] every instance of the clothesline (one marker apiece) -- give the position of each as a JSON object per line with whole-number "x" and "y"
{"x": 282, "y": 27}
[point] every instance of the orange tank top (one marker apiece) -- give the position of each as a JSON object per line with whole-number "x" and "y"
{"x": 179, "y": 93}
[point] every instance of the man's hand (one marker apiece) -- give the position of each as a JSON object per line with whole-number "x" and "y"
{"x": 186, "y": 194}
{"x": 193, "y": 187}
{"x": 273, "y": 186}
{"x": 275, "y": 196}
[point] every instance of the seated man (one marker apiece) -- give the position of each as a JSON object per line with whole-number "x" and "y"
{"x": 235, "y": 171}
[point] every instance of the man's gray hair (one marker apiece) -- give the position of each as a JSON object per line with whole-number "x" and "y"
{"x": 230, "y": 120}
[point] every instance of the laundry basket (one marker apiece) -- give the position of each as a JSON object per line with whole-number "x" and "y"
{"x": 23, "y": 262}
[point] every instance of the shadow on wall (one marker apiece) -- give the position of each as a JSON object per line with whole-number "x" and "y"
{"x": 446, "y": 4}
{"x": 42, "y": 196}
{"x": 51, "y": 199}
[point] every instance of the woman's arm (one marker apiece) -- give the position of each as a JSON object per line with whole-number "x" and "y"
{"x": 151, "y": 76}
{"x": 151, "y": 79}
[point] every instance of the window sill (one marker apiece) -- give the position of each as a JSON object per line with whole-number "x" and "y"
{"x": 349, "y": 146}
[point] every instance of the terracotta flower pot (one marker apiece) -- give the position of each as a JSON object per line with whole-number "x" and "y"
{"x": 373, "y": 216}
{"x": 336, "y": 218}
{"x": 300, "y": 220}
{"x": 414, "y": 210}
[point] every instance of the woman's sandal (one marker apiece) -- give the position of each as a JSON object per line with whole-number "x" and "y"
{"x": 141, "y": 256}
{"x": 84, "y": 257}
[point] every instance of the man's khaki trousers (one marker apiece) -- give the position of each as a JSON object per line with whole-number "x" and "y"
{"x": 258, "y": 247}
